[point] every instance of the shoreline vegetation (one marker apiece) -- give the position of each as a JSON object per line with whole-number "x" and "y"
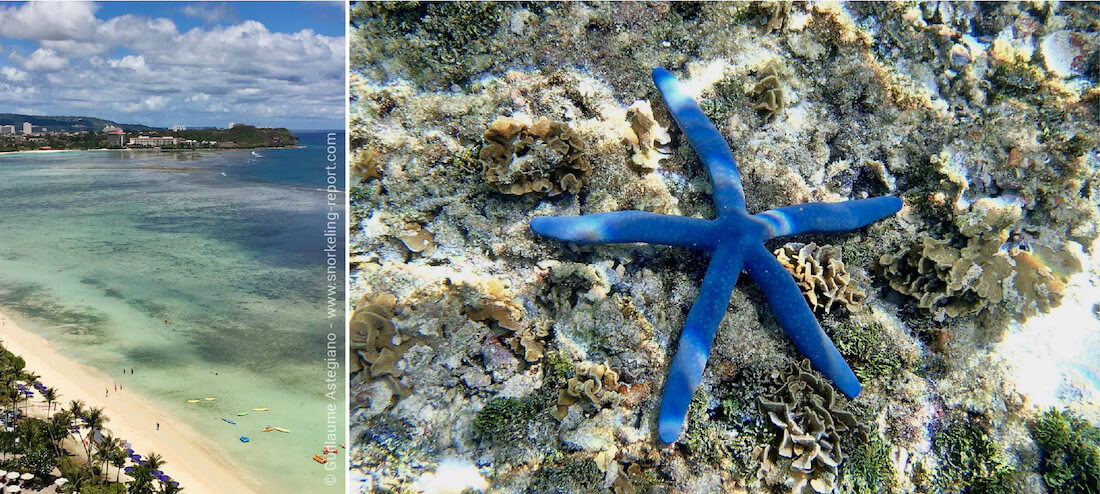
{"x": 54, "y": 423}
{"x": 239, "y": 137}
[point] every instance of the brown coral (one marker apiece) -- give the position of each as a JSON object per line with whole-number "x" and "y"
{"x": 645, "y": 136}
{"x": 770, "y": 94}
{"x": 950, "y": 281}
{"x": 417, "y": 239}
{"x": 821, "y": 275}
{"x": 491, "y": 301}
{"x": 597, "y": 382}
{"x": 372, "y": 344}
{"x": 545, "y": 158}
{"x": 810, "y": 421}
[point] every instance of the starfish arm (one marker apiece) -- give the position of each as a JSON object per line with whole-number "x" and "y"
{"x": 821, "y": 217}
{"x": 695, "y": 341}
{"x": 627, "y": 226}
{"x": 798, "y": 321}
{"x": 708, "y": 143}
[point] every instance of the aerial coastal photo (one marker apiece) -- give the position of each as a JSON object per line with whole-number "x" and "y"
{"x": 172, "y": 308}
{"x": 743, "y": 247}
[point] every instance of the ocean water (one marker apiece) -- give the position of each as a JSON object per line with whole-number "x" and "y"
{"x": 99, "y": 248}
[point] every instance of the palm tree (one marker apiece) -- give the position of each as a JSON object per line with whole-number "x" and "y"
{"x": 76, "y": 408}
{"x": 59, "y": 425}
{"x": 95, "y": 419}
{"x": 109, "y": 448}
{"x": 118, "y": 459}
{"x": 51, "y": 396}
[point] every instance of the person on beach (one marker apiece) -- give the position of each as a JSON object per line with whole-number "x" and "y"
{"x": 106, "y": 392}
{"x": 158, "y": 426}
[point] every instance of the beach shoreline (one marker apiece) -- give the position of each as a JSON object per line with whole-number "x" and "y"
{"x": 195, "y": 462}
{"x": 154, "y": 149}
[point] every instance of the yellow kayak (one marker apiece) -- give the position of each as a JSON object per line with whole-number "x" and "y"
{"x": 260, "y": 409}
{"x": 192, "y": 401}
{"x": 209, "y": 399}
{"x": 280, "y": 429}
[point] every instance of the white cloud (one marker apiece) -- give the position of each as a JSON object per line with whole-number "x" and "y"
{"x": 13, "y": 74}
{"x": 151, "y": 103}
{"x": 128, "y": 62}
{"x": 49, "y": 20}
{"x": 42, "y": 60}
{"x": 211, "y": 13}
{"x": 243, "y": 71}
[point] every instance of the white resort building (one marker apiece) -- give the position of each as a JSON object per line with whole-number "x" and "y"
{"x": 158, "y": 141}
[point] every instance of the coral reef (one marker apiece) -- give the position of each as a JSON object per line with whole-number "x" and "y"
{"x": 822, "y": 276}
{"x": 809, "y": 419}
{"x": 981, "y": 116}
{"x": 988, "y": 273}
{"x": 770, "y": 94}
{"x": 544, "y": 157}
{"x": 374, "y": 352}
{"x": 645, "y": 136}
{"x": 596, "y": 382}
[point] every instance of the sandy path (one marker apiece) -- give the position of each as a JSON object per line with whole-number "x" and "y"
{"x": 192, "y": 460}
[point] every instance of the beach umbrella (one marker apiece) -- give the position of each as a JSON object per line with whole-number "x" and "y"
{"x": 13, "y": 488}
{"x": 128, "y": 469}
{"x": 13, "y": 475}
{"x": 27, "y": 476}
{"x": 3, "y": 473}
{"x": 135, "y": 457}
{"x": 61, "y": 481}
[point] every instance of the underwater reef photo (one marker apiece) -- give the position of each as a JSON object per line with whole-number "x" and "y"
{"x": 698, "y": 247}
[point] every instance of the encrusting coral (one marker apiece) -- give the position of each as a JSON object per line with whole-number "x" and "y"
{"x": 545, "y": 158}
{"x": 645, "y": 136}
{"x": 597, "y": 382}
{"x": 770, "y": 92}
{"x": 372, "y": 344}
{"x": 996, "y": 268}
{"x": 810, "y": 421}
{"x": 822, "y": 276}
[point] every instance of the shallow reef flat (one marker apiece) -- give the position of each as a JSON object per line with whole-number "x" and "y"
{"x": 489, "y": 358}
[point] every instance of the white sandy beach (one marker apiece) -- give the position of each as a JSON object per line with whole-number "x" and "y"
{"x": 196, "y": 463}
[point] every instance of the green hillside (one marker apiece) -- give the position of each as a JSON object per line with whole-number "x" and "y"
{"x": 67, "y": 124}
{"x": 245, "y": 136}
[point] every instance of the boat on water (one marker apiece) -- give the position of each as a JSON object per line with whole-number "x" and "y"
{"x": 230, "y": 421}
{"x": 260, "y": 409}
{"x": 245, "y": 439}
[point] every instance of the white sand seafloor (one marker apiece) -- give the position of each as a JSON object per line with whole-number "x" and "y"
{"x": 982, "y": 295}
{"x": 197, "y": 463}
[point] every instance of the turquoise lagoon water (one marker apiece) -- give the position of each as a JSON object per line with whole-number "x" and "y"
{"x": 98, "y": 248}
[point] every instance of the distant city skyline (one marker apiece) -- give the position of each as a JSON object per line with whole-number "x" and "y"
{"x": 163, "y": 64}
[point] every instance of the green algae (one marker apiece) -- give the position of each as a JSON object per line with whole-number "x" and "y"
{"x": 504, "y": 419}
{"x": 1070, "y": 449}
{"x": 562, "y": 474}
{"x": 971, "y": 461}
{"x": 868, "y": 469}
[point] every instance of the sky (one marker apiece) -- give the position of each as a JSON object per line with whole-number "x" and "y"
{"x": 204, "y": 64}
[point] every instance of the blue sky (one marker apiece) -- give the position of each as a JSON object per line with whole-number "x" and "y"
{"x": 198, "y": 64}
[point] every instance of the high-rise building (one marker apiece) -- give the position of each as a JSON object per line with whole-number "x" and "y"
{"x": 178, "y": 128}
{"x": 7, "y": 129}
{"x": 27, "y": 127}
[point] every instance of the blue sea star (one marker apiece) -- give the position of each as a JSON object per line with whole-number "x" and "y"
{"x": 735, "y": 240}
